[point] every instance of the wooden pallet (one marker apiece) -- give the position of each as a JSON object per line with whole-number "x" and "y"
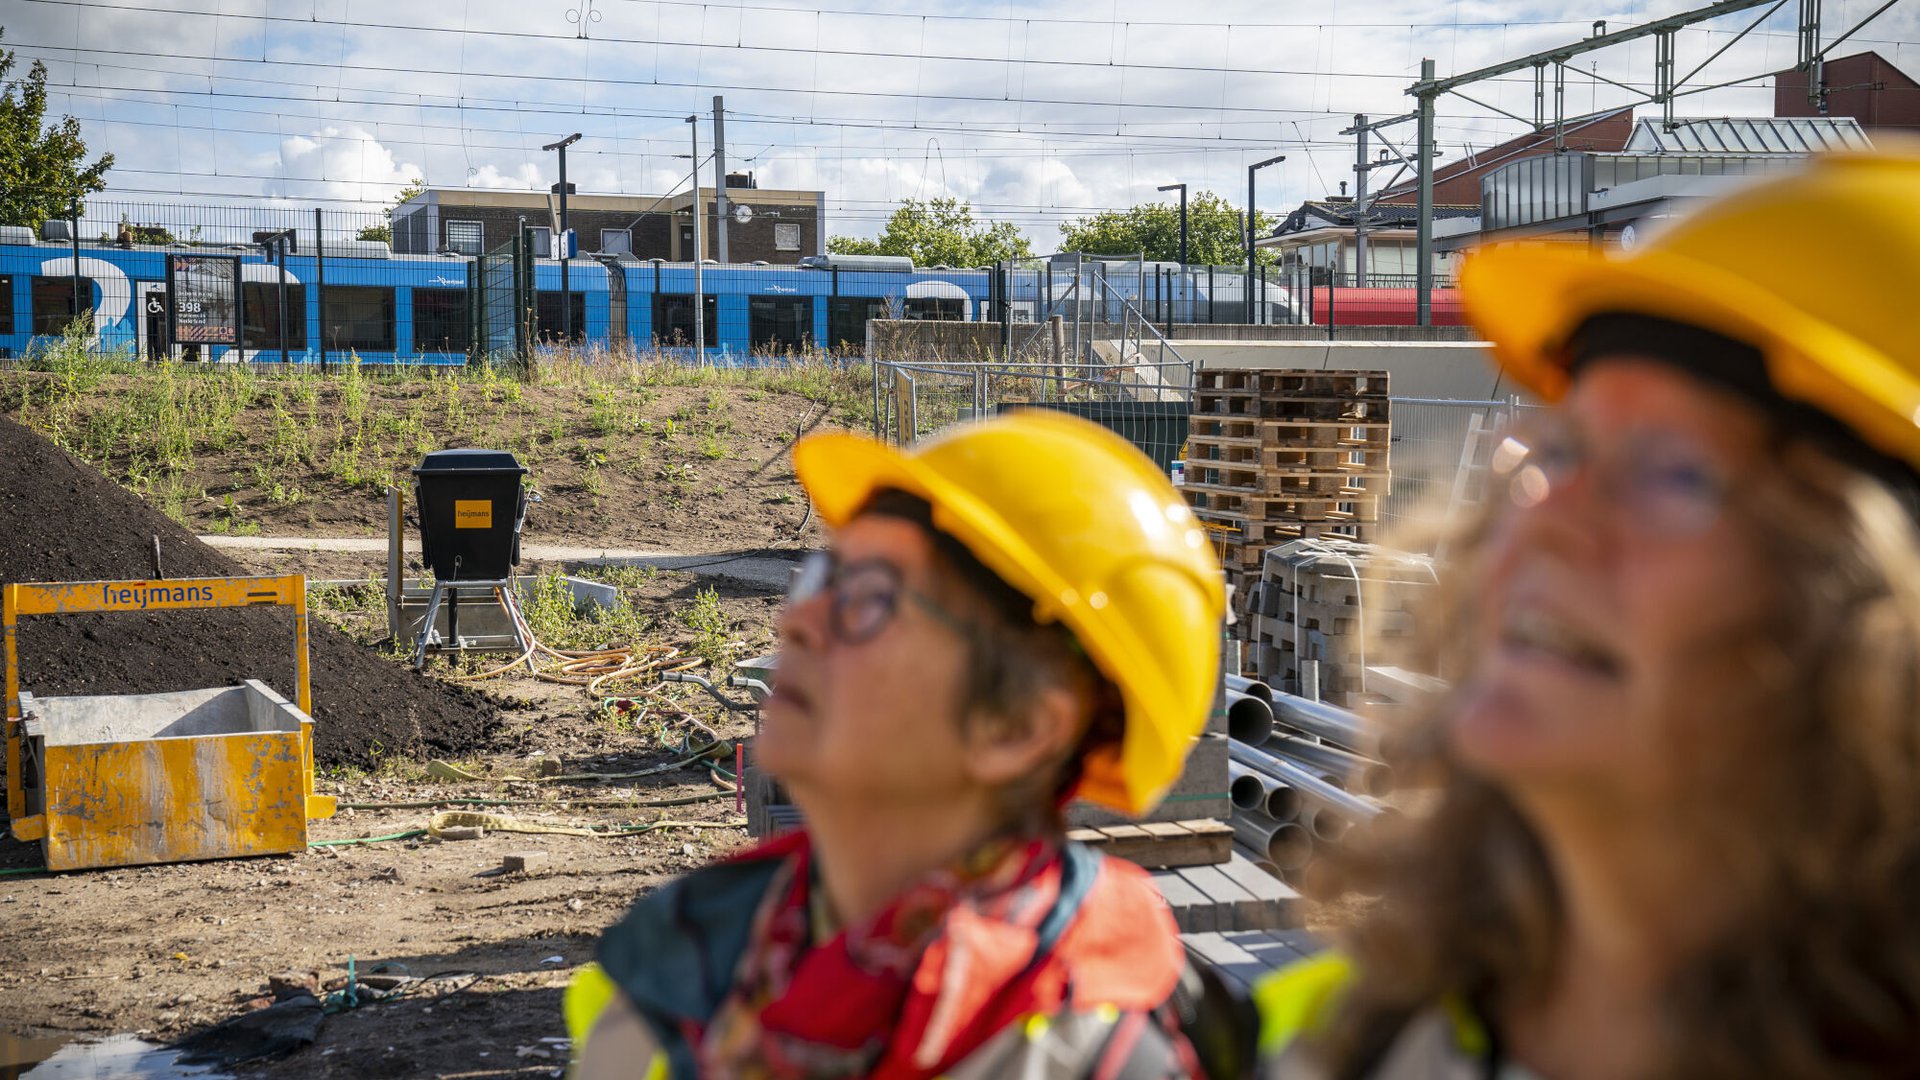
{"x": 1199, "y": 842}
{"x": 1226, "y": 379}
{"x": 1257, "y": 479}
{"x": 1343, "y": 434}
{"x": 1219, "y": 500}
{"x": 1350, "y": 384}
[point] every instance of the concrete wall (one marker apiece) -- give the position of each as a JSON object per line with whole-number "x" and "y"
{"x": 1242, "y": 332}
{"x": 1457, "y": 370}
{"x": 1460, "y": 370}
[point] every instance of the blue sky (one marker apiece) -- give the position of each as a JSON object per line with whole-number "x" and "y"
{"x": 1035, "y": 112}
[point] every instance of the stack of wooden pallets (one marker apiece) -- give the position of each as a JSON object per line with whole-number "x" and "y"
{"x": 1281, "y": 455}
{"x": 1274, "y": 456}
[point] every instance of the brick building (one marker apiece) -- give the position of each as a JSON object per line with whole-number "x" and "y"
{"x": 1865, "y": 86}
{"x": 763, "y": 224}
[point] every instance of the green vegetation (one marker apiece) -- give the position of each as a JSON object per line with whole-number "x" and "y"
{"x": 1215, "y": 234}
{"x": 939, "y": 232}
{"x": 42, "y": 166}
{"x": 263, "y": 439}
{"x": 712, "y": 633}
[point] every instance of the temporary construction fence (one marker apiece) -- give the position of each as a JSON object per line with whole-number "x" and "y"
{"x": 1146, "y": 405}
{"x": 1441, "y": 449}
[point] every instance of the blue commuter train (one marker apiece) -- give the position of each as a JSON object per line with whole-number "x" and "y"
{"x": 416, "y": 309}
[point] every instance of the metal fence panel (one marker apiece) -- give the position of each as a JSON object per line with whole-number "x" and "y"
{"x": 1439, "y": 458}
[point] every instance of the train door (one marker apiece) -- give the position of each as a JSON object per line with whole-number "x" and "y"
{"x": 152, "y": 296}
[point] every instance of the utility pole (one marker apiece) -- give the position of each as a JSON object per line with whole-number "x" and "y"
{"x": 560, "y": 242}
{"x": 1360, "y": 170}
{"x": 1423, "y": 248}
{"x": 1251, "y": 228}
{"x": 699, "y": 284}
{"x": 719, "y": 177}
{"x": 1182, "y": 188}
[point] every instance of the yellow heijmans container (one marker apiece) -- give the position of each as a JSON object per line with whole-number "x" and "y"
{"x": 128, "y": 779}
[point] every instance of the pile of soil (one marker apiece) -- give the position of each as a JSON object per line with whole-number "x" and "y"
{"x": 61, "y": 520}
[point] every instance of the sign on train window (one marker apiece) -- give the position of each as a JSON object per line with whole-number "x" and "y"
{"x": 206, "y": 298}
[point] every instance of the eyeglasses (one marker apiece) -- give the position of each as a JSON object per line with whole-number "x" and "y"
{"x": 863, "y": 595}
{"x": 1662, "y": 482}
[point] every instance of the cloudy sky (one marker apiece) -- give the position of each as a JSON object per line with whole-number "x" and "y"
{"x": 1035, "y": 112}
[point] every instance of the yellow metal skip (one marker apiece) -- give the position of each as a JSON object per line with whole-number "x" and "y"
{"x": 172, "y": 799}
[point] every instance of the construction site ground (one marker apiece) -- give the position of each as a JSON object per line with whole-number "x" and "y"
{"x": 165, "y": 951}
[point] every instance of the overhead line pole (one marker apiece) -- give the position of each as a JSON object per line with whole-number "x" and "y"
{"x": 699, "y": 284}
{"x": 1430, "y": 88}
{"x": 719, "y": 178}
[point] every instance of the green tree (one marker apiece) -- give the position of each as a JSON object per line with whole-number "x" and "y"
{"x": 1213, "y": 232}
{"x": 41, "y": 170}
{"x": 939, "y": 232}
{"x": 383, "y": 232}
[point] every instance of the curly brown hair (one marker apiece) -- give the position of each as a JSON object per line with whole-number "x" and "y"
{"x": 1812, "y": 779}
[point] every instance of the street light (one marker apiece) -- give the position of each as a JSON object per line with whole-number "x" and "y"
{"x": 1251, "y": 169}
{"x": 1183, "y": 218}
{"x": 563, "y": 189}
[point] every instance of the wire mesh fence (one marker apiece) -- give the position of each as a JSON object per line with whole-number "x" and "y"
{"x": 267, "y": 283}
{"x": 270, "y": 282}
{"x": 1439, "y": 458}
{"x": 915, "y": 401}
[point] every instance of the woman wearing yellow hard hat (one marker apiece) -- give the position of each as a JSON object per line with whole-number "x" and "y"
{"x": 1019, "y": 611}
{"x": 1667, "y": 817}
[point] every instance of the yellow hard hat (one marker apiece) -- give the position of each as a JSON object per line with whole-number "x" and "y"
{"x": 1075, "y": 517}
{"x": 1818, "y": 268}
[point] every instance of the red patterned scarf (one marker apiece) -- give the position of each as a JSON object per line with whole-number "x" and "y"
{"x": 903, "y": 994}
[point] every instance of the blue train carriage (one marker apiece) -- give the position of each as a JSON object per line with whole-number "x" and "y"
{"x": 416, "y": 309}
{"x": 753, "y": 312}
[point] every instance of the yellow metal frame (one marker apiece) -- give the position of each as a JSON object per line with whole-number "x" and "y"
{"x": 176, "y": 594}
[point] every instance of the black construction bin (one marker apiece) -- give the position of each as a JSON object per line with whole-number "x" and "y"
{"x": 471, "y": 503}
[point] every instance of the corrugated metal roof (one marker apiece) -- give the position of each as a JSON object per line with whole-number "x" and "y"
{"x": 1748, "y": 135}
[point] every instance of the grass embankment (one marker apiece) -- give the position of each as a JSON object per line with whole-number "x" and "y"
{"x": 233, "y": 449}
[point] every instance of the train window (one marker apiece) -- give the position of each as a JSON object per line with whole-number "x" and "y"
{"x": 779, "y": 323}
{"x": 673, "y": 319}
{"x": 934, "y": 307}
{"x": 260, "y": 315}
{"x": 440, "y": 320}
{"x": 358, "y": 317}
{"x": 53, "y": 306}
{"x": 466, "y": 238}
{"x": 616, "y": 241}
{"x": 6, "y": 304}
{"x": 847, "y": 320}
{"x": 546, "y": 313}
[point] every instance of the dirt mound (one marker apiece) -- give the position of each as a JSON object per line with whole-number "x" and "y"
{"x": 61, "y": 520}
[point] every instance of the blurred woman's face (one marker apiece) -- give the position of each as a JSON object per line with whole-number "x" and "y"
{"x": 1612, "y": 587}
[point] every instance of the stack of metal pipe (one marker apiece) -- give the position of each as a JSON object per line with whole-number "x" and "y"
{"x": 1302, "y": 773}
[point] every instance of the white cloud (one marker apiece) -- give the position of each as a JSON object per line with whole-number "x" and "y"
{"x": 351, "y": 112}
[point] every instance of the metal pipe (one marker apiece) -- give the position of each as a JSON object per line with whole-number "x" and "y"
{"x": 1357, "y": 773}
{"x": 1288, "y": 846}
{"x": 1329, "y": 722}
{"x": 1251, "y": 789}
{"x": 1308, "y": 786}
{"x": 1249, "y": 719}
{"x": 1326, "y": 826}
{"x": 1251, "y": 687}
